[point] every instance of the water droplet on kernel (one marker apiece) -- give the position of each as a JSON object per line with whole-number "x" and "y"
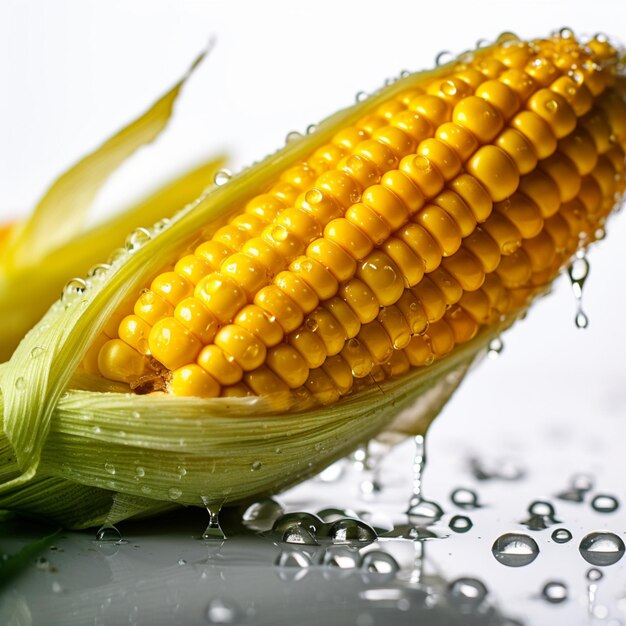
{"x": 279, "y": 233}
{"x": 448, "y": 88}
{"x": 110, "y": 468}
{"x": 551, "y": 106}
{"x": 312, "y": 324}
{"x": 313, "y": 196}
{"x": 361, "y": 96}
{"x": 422, "y": 163}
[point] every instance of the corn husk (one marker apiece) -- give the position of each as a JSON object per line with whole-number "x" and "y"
{"x": 81, "y": 451}
{"x": 39, "y": 255}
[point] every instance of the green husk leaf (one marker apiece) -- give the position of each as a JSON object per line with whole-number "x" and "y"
{"x": 160, "y": 449}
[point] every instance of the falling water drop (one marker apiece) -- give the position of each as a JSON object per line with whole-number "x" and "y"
{"x": 578, "y": 271}
{"x": 495, "y": 348}
{"x": 213, "y": 529}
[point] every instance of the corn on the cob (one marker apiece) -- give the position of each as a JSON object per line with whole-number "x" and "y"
{"x": 444, "y": 209}
{"x": 415, "y": 225}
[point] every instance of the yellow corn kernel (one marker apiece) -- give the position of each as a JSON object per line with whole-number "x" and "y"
{"x": 192, "y": 380}
{"x": 172, "y": 344}
{"x": 118, "y": 361}
{"x": 134, "y": 331}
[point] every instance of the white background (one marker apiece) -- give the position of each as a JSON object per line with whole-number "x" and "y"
{"x": 71, "y": 73}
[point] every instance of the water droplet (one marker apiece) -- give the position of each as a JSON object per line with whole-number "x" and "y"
{"x": 223, "y": 611}
{"x": 460, "y": 524}
{"x": 262, "y": 515}
{"x": 581, "y": 320}
{"x": 594, "y": 575}
{"x": 361, "y": 96}
{"x": 448, "y": 88}
{"x": 313, "y": 196}
{"x": 307, "y": 520}
{"x": 566, "y": 33}
{"x": 351, "y": 531}
{"x": 293, "y": 135}
{"x": 551, "y": 105}
{"x": 174, "y": 493}
{"x": 561, "y": 535}
{"x": 601, "y": 548}
{"x": 495, "y": 348}
{"x": 554, "y": 592}
{"x": 213, "y": 529}
{"x": 108, "y": 534}
{"x": 293, "y": 558}
{"x": 182, "y": 562}
{"x": 279, "y": 233}
{"x": 467, "y": 592}
{"x": 140, "y": 472}
{"x": 423, "y": 512}
{"x": 311, "y": 128}
{"x": 98, "y": 271}
{"x": 422, "y": 163}
{"x": 20, "y": 383}
{"x": 256, "y": 466}
{"x": 57, "y": 587}
{"x": 137, "y": 239}
{"x": 299, "y": 535}
{"x": 379, "y": 562}
{"x": 603, "y": 503}
{"x": 465, "y": 498}
{"x": 181, "y": 470}
{"x": 342, "y": 557}
{"x": 42, "y": 563}
{"x": 445, "y": 56}
{"x": 110, "y": 468}
{"x": 222, "y": 177}
{"x": 36, "y": 352}
{"x": 515, "y": 549}
{"x": 72, "y": 289}
{"x": 136, "y": 414}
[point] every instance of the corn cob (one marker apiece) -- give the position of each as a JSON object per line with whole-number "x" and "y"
{"x": 441, "y": 211}
{"x": 382, "y": 252}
